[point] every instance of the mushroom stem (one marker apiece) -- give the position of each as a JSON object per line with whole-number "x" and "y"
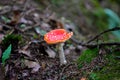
{"x": 61, "y": 54}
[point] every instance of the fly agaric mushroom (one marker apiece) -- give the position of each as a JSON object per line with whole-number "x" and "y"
{"x": 58, "y": 36}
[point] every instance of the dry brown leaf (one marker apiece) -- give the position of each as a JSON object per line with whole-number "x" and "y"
{"x": 43, "y": 65}
{"x": 83, "y": 78}
{"x": 31, "y": 64}
{"x": 1, "y": 27}
{"x": 25, "y": 52}
{"x": 50, "y": 52}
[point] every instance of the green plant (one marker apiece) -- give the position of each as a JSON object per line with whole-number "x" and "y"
{"x": 93, "y": 76}
{"x": 6, "y": 54}
{"x": 12, "y": 39}
{"x": 57, "y": 2}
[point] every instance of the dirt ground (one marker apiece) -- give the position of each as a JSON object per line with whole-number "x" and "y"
{"x": 24, "y": 17}
{"x": 23, "y": 24}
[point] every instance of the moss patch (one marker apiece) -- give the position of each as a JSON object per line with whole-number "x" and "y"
{"x": 87, "y": 56}
{"x": 111, "y": 71}
{"x": 108, "y": 70}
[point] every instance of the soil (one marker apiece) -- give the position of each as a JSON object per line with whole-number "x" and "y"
{"x": 23, "y": 24}
{"x": 14, "y": 14}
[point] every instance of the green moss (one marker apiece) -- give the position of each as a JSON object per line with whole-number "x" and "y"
{"x": 111, "y": 71}
{"x": 56, "y": 2}
{"x": 87, "y": 56}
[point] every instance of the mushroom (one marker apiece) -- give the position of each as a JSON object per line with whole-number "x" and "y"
{"x": 58, "y": 36}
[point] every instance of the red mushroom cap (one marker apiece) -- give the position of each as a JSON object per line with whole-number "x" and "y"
{"x": 57, "y": 36}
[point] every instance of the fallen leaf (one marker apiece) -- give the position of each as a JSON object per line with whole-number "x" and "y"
{"x": 25, "y": 52}
{"x": 39, "y": 31}
{"x": 45, "y": 26}
{"x": 83, "y": 78}
{"x": 6, "y": 54}
{"x": 31, "y": 64}
{"x": 5, "y": 19}
{"x": 25, "y": 21}
{"x": 20, "y": 1}
{"x": 1, "y": 27}
{"x": 50, "y": 52}
{"x": 43, "y": 65}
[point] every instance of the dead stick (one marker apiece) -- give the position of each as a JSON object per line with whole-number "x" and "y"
{"x": 87, "y": 44}
{"x": 101, "y": 44}
{"x": 113, "y": 29}
{"x": 61, "y": 74}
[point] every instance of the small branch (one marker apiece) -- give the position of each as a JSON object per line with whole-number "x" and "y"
{"x": 61, "y": 74}
{"x": 7, "y": 26}
{"x": 91, "y": 45}
{"x": 100, "y": 44}
{"x": 24, "y": 8}
{"x": 113, "y": 29}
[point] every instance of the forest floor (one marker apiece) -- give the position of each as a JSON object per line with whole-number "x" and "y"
{"x": 23, "y": 25}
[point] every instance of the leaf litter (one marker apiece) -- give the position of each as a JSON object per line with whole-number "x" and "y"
{"x": 31, "y": 58}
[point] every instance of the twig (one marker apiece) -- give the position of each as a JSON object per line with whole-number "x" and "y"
{"x": 61, "y": 74}
{"x": 101, "y": 44}
{"x": 90, "y": 45}
{"x": 28, "y": 28}
{"x": 113, "y": 29}
{"x": 7, "y": 26}
{"x": 24, "y": 10}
